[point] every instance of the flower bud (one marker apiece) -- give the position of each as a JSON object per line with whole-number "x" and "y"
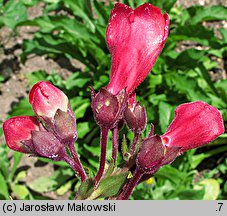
{"x": 194, "y": 125}
{"x": 136, "y": 117}
{"x": 47, "y": 145}
{"x": 65, "y": 127}
{"x": 18, "y": 133}
{"x": 151, "y": 154}
{"x": 108, "y": 108}
{"x": 46, "y": 99}
{"x": 135, "y": 38}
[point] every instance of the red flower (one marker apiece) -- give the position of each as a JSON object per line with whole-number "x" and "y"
{"x": 18, "y": 132}
{"x": 194, "y": 125}
{"x": 46, "y": 99}
{"x": 135, "y": 39}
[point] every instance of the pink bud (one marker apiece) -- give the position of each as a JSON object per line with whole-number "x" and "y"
{"x": 46, "y": 99}
{"x": 18, "y": 132}
{"x": 135, "y": 39}
{"x": 194, "y": 125}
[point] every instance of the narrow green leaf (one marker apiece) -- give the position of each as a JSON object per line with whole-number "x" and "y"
{"x": 171, "y": 173}
{"x": 216, "y": 12}
{"x": 165, "y": 112}
{"x": 4, "y": 187}
{"x": 14, "y": 12}
{"x": 85, "y": 189}
{"x": 109, "y": 186}
{"x": 16, "y": 160}
{"x": 212, "y": 188}
{"x": 20, "y": 191}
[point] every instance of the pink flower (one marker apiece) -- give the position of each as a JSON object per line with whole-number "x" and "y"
{"x": 46, "y": 99}
{"x": 18, "y": 132}
{"x": 135, "y": 39}
{"x": 194, "y": 125}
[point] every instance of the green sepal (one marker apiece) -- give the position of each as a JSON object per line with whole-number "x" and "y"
{"x": 85, "y": 189}
{"x": 109, "y": 186}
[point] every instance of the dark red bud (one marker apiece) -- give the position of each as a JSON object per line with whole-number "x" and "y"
{"x": 108, "y": 108}
{"x": 65, "y": 127}
{"x": 47, "y": 145}
{"x": 136, "y": 118}
{"x": 150, "y": 155}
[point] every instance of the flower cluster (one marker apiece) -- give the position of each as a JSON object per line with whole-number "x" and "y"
{"x": 135, "y": 39}
{"x": 50, "y": 132}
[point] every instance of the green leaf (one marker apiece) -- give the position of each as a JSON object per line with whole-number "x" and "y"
{"x": 165, "y": 111}
{"x": 94, "y": 150}
{"x": 125, "y": 149}
{"x": 85, "y": 189}
{"x": 164, "y": 5}
{"x": 80, "y": 9}
{"x": 171, "y": 173}
{"x": 64, "y": 188}
{"x": 43, "y": 184}
{"x": 223, "y": 32}
{"x": 20, "y": 175}
{"x": 109, "y": 186}
{"x": 196, "y": 33}
{"x": 20, "y": 191}
{"x": 36, "y": 76}
{"x": 80, "y": 106}
{"x": 197, "y": 159}
{"x": 30, "y": 3}
{"x": 191, "y": 194}
{"x": 4, "y": 161}
{"x": 78, "y": 79}
{"x": 51, "y": 183}
{"x": 212, "y": 188}
{"x": 14, "y": 13}
{"x": 186, "y": 86}
{"x": 22, "y": 108}
{"x": 4, "y": 187}
{"x": 2, "y": 78}
{"x": 82, "y": 129}
{"x": 16, "y": 160}
{"x": 216, "y": 12}
{"x": 110, "y": 168}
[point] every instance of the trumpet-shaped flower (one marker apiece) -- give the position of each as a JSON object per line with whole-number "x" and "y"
{"x": 135, "y": 38}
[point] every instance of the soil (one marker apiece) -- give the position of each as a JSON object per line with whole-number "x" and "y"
{"x": 15, "y": 86}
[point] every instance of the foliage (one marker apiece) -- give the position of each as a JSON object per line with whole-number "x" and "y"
{"x": 76, "y": 30}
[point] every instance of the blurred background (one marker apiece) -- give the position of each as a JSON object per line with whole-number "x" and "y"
{"x": 63, "y": 41}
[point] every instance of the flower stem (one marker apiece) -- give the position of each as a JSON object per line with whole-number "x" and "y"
{"x": 133, "y": 147}
{"x": 128, "y": 188}
{"x": 76, "y": 159}
{"x": 115, "y": 144}
{"x": 103, "y": 144}
{"x": 77, "y": 169}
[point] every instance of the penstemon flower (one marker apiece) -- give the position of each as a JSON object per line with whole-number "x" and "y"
{"x": 194, "y": 125}
{"x": 135, "y": 39}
